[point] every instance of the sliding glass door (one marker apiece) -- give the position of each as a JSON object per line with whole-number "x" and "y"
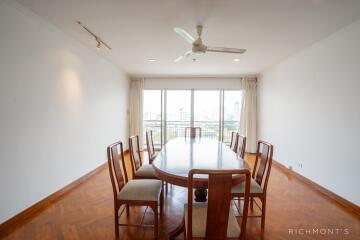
{"x": 178, "y": 113}
{"x": 207, "y": 112}
{"x": 231, "y": 114}
{"x": 152, "y": 115}
{"x": 168, "y": 112}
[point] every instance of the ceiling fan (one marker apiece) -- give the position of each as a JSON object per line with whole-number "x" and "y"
{"x": 199, "y": 47}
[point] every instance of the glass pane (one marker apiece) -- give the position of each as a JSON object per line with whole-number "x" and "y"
{"x": 207, "y": 112}
{"x": 232, "y": 111}
{"x": 178, "y": 111}
{"x": 152, "y": 115}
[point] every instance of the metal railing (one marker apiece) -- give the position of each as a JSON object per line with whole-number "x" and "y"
{"x": 174, "y": 129}
{"x": 155, "y": 126}
{"x": 229, "y": 127}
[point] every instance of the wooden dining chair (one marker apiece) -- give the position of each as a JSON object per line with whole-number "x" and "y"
{"x": 150, "y": 146}
{"x": 139, "y": 170}
{"x": 215, "y": 219}
{"x": 234, "y": 141}
{"x": 259, "y": 180}
{"x": 137, "y": 192}
{"x": 241, "y": 145}
{"x": 193, "y": 132}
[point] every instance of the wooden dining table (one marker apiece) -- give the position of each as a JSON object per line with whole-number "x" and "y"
{"x": 177, "y": 157}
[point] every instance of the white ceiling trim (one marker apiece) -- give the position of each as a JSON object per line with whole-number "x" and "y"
{"x": 204, "y": 83}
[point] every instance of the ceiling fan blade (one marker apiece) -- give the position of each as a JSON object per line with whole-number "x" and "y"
{"x": 179, "y": 58}
{"x": 183, "y": 56}
{"x": 184, "y": 34}
{"x": 225, "y": 50}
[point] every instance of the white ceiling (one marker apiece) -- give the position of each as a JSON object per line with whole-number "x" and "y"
{"x": 137, "y": 30}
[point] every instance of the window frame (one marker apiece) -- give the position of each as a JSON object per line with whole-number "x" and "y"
{"x": 163, "y": 121}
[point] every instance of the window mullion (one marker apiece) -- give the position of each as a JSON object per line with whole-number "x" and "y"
{"x": 164, "y": 115}
{"x": 192, "y": 109}
{"x": 221, "y": 124}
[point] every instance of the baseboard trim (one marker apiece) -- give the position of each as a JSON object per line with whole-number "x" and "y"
{"x": 25, "y": 216}
{"x": 346, "y": 204}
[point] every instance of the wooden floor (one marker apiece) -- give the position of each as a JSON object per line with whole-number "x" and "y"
{"x": 87, "y": 213}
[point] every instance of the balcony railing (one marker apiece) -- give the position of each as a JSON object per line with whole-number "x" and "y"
{"x": 174, "y": 129}
{"x": 155, "y": 126}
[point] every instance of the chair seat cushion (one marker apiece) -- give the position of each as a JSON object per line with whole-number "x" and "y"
{"x": 146, "y": 171}
{"x": 240, "y": 188}
{"x": 141, "y": 189}
{"x": 199, "y": 215}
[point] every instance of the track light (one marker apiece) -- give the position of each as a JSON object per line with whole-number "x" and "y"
{"x": 99, "y": 41}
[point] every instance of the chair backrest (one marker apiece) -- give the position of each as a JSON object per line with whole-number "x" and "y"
{"x": 150, "y": 146}
{"x": 263, "y": 163}
{"x": 241, "y": 145}
{"x": 219, "y": 198}
{"x": 135, "y": 154}
{"x": 234, "y": 140}
{"x": 117, "y": 168}
{"x": 192, "y": 132}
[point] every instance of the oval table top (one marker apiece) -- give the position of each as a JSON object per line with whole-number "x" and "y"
{"x": 173, "y": 163}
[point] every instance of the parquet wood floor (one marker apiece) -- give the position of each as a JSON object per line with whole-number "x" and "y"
{"x": 87, "y": 213}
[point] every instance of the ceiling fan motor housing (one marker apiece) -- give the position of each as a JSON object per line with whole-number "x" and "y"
{"x": 198, "y": 46}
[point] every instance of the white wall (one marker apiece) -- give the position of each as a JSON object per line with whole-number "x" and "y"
{"x": 60, "y": 104}
{"x": 309, "y": 108}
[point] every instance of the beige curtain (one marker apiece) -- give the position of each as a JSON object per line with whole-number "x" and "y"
{"x": 248, "y": 122}
{"x": 136, "y": 109}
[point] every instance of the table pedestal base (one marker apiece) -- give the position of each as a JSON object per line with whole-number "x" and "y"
{"x": 201, "y": 195}
{"x": 177, "y": 231}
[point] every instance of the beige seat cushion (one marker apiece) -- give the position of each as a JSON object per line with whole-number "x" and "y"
{"x": 141, "y": 189}
{"x": 240, "y": 188}
{"x": 146, "y": 171}
{"x": 199, "y": 215}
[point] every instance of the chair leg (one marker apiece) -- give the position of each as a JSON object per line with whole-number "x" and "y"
{"x": 156, "y": 220}
{"x": 263, "y": 209}
{"x": 127, "y": 210}
{"x": 162, "y": 202}
{"x": 116, "y": 216}
{"x": 252, "y": 203}
{"x": 176, "y": 232}
{"x": 166, "y": 187}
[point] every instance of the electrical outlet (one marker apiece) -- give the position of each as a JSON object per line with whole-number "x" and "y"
{"x": 300, "y": 165}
